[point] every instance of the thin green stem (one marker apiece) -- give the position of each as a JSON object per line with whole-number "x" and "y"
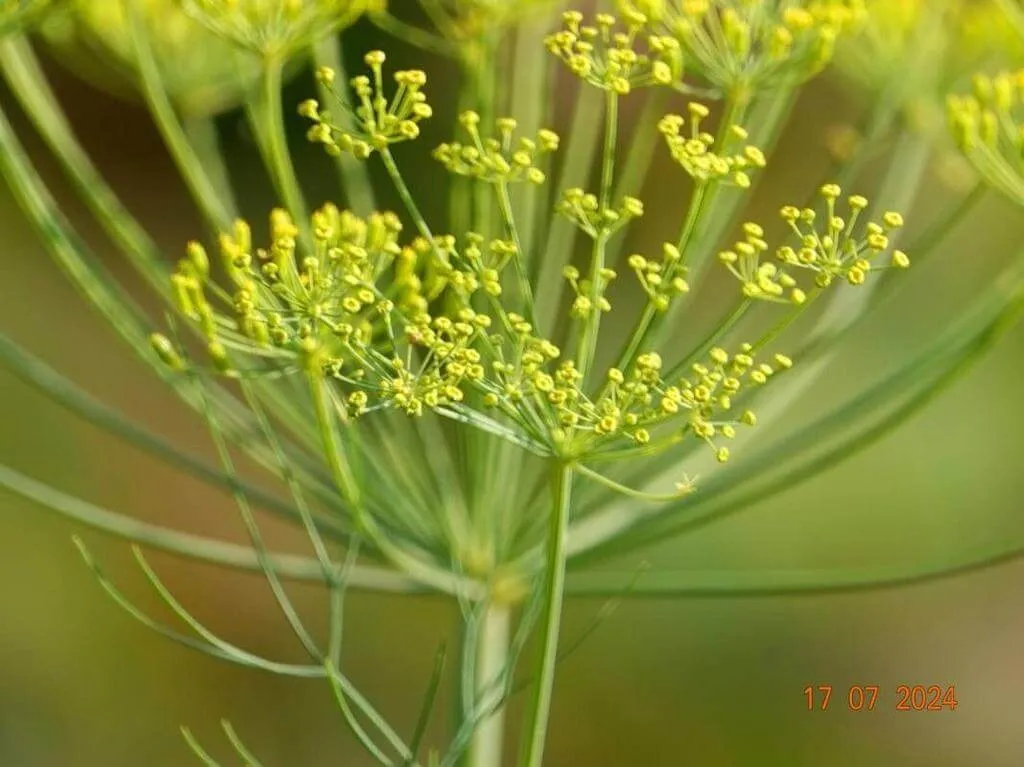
{"x": 198, "y": 751}
{"x": 351, "y": 721}
{"x": 644, "y": 141}
{"x": 190, "y": 546}
{"x": 554, "y": 591}
{"x": 256, "y": 536}
{"x": 239, "y": 746}
{"x": 519, "y": 259}
{"x": 531, "y": 104}
{"x": 480, "y": 64}
{"x": 406, "y": 196}
{"x": 560, "y": 239}
{"x": 349, "y": 488}
{"x": 650, "y": 314}
{"x": 428, "y": 704}
{"x": 716, "y": 336}
{"x": 294, "y": 487}
{"x": 592, "y": 324}
{"x": 629, "y": 492}
{"x": 63, "y": 392}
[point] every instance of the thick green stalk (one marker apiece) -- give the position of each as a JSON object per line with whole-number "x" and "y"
{"x": 279, "y": 159}
{"x": 491, "y": 658}
{"x": 201, "y": 186}
{"x": 536, "y": 729}
{"x": 202, "y": 134}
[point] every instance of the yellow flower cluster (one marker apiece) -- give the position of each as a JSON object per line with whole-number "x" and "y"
{"x": 988, "y": 127}
{"x": 583, "y": 305}
{"x": 498, "y": 159}
{"x": 586, "y": 211}
{"x": 605, "y": 54}
{"x": 287, "y": 304}
{"x": 348, "y": 310}
{"x": 476, "y": 266}
{"x": 640, "y": 405}
{"x": 693, "y": 149}
{"x": 379, "y": 120}
{"x": 274, "y": 28}
{"x": 836, "y": 251}
{"x": 742, "y": 46}
{"x": 661, "y": 280}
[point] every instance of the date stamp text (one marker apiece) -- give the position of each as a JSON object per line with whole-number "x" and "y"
{"x": 871, "y": 697}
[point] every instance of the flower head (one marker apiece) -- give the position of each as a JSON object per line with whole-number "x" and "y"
{"x": 988, "y": 127}
{"x": 616, "y": 55}
{"x": 379, "y": 119}
{"x": 200, "y": 71}
{"x": 829, "y": 248}
{"x": 274, "y": 28}
{"x": 694, "y": 149}
{"x": 740, "y": 47}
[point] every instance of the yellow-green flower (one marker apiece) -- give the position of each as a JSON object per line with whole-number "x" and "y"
{"x": 740, "y": 47}
{"x": 202, "y": 73}
{"x": 988, "y": 127}
{"x": 953, "y": 38}
{"x": 275, "y": 28}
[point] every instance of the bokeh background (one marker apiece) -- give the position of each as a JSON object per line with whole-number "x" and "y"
{"x": 704, "y": 682}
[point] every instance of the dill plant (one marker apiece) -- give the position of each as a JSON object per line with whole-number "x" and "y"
{"x": 487, "y": 404}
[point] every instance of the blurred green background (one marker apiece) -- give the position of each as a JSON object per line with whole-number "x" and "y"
{"x": 705, "y": 682}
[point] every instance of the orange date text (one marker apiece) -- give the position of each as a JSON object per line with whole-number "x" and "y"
{"x": 871, "y": 697}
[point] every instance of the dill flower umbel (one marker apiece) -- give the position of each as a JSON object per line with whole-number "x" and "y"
{"x": 201, "y": 72}
{"x": 741, "y": 47}
{"x": 502, "y": 374}
{"x": 274, "y": 28}
{"x": 988, "y": 126}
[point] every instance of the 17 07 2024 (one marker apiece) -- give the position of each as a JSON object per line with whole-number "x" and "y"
{"x": 871, "y": 697}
